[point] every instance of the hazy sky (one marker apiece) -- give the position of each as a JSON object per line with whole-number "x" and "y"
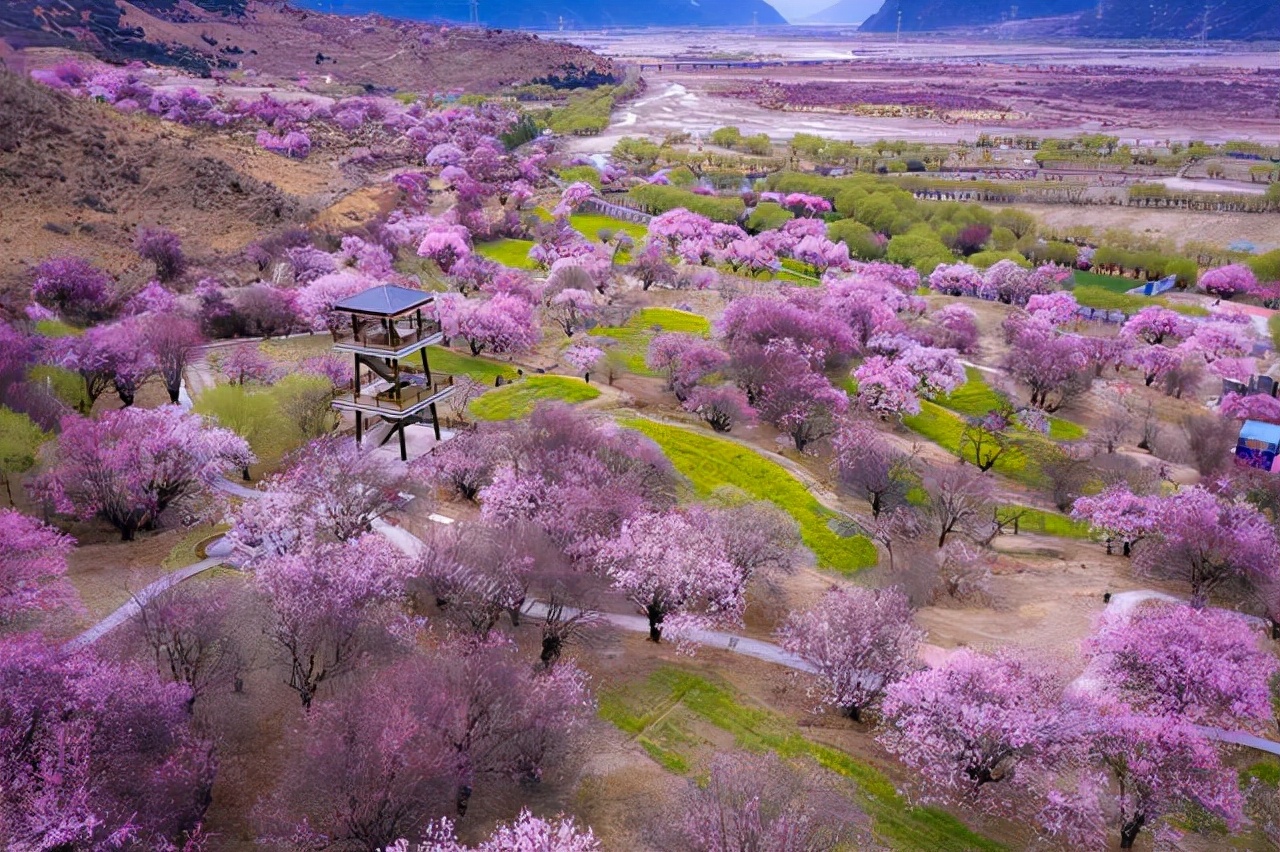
{"x": 795, "y": 9}
{"x": 792, "y": 9}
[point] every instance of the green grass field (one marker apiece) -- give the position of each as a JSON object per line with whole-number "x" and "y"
{"x": 508, "y": 252}
{"x": 796, "y": 272}
{"x": 1047, "y": 523}
{"x": 589, "y": 225}
{"x": 945, "y": 428}
{"x": 460, "y": 364}
{"x": 664, "y": 712}
{"x": 1114, "y": 283}
{"x": 1092, "y": 296}
{"x": 57, "y": 328}
{"x": 632, "y": 339}
{"x": 710, "y": 463}
{"x": 516, "y": 400}
{"x": 975, "y": 398}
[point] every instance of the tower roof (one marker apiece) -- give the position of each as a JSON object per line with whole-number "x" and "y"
{"x": 387, "y": 300}
{"x": 1256, "y": 430}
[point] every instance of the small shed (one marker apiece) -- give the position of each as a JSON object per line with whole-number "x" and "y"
{"x": 1259, "y": 445}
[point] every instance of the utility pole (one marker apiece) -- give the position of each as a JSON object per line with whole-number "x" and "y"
{"x": 475, "y": 11}
{"x": 898, "y": 38}
{"x": 755, "y": 19}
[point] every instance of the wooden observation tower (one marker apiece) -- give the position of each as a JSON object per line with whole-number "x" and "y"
{"x": 393, "y": 385}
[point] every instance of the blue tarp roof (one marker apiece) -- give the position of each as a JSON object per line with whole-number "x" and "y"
{"x": 385, "y": 301}
{"x": 1256, "y": 430}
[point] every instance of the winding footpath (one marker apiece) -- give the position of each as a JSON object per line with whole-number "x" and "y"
{"x": 219, "y": 554}
{"x": 409, "y": 544}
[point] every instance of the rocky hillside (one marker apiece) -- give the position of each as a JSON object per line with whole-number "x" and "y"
{"x": 277, "y": 39}
{"x": 1164, "y": 19}
{"x": 549, "y": 14}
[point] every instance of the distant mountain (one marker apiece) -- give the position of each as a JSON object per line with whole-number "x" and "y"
{"x": 1165, "y": 19}
{"x": 924, "y": 15}
{"x": 844, "y": 12}
{"x": 1236, "y": 19}
{"x": 575, "y": 14}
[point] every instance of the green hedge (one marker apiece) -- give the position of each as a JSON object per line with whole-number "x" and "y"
{"x": 768, "y": 216}
{"x": 663, "y": 198}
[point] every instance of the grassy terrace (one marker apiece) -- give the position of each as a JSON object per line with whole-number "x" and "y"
{"x": 945, "y": 428}
{"x": 632, "y": 339}
{"x": 1113, "y": 283}
{"x": 508, "y": 252}
{"x": 664, "y": 712}
{"x": 710, "y": 463}
{"x": 459, "y": 364}
{"x": 975, "y": 398}
{"x": 590, "y": 225}
{"x": 1039, "y": 521}
{"x": 517, "y": 400}
{"x": 1108, "y": 293}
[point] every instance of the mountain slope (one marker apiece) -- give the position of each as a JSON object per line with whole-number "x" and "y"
{"x": 277, "y": 39}
{"x": 919, "y": 15}
{"x": 845, "y": 12}
{"x": 1178, "y": 19}
{"x": 547, "y": 14}
{"x": 1184, "y": 19}
{"x": 77, "y": 177}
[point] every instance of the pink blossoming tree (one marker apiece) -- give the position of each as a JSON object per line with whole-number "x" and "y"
{"x": 1202, "y": 666}
{"x": 33, "y": 567}
{"x": 678, "y": 573}
{"x": 859, "y": 642}
{"x": 130, "y": 465}
{"x": 977, "y": 726}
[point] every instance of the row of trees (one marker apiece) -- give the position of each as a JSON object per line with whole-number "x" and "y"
{"x": 1118, "y": 749}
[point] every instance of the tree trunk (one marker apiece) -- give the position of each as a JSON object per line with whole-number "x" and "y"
{"x": 173, "y": 393}
{"x": 464, "y": 798}
{"x": 853, "y": 712}
{"x": 1129, "y": 831}
{"x": 655, "y": 623}
{"x": 244, "y": 473}
{"x": 551, "y": 646}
